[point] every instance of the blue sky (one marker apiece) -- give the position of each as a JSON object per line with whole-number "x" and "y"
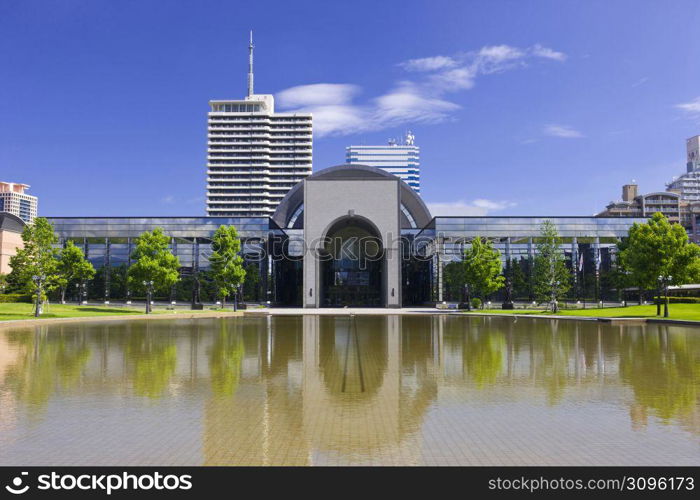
{"x": 528, "y": 108}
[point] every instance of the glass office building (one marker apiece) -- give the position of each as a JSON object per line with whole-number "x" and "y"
{"x": 284, "y": 248}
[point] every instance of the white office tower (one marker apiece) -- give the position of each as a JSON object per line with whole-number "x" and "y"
{"x": 255, "y": 155}
{"x": 402, "y": 160}
{"x": 688, "y": 184}
{"x": 15, "y": 200}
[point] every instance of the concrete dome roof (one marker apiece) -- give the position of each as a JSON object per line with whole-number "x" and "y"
{"x": 10, "y": 222}
{"x": 292, "y": 203}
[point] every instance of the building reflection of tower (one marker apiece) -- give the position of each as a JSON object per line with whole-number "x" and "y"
{"x": 318, "y": 389}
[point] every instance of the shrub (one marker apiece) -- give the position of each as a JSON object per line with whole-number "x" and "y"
{"x": 476, "y": 303}
{"x": 6, "y": 298}
{"x": 682, "y": 300}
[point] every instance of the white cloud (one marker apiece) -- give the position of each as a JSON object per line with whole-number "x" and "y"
{"x": 540, "y": 51}
{"x": 477, "y": 207}
{"x": 500, "y": 53}
{"x": 410, "y": 101}
{"x": 641, "y": 81}
{"x": 690, "y": 107}
{"x": 318, "y": 94}
{"x": 428, "y": 63}
{"x": 563, "y": 131}
{"x": 168, "y": 200}
{"x": 451, "y": 80}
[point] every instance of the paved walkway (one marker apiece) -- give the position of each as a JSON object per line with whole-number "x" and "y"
{"x": 14, "y": 323}
{"x": 336, "y": 311}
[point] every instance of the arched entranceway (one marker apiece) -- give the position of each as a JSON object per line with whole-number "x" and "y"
{"x": 352, "y": 265}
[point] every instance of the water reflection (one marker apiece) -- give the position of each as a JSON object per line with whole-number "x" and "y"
{"x": 354, "y": 389}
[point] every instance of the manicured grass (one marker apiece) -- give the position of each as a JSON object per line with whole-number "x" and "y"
{"x": 676, "y": 311}
{"x": 21, "y": 311}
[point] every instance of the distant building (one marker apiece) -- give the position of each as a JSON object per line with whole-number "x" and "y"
{"x": 688, "y": 184}
{"x": 11, "y": 228}
{"x": 680, "y": 202}
{"x": 644, "y": 205}
{"x": 402, "y": 160}
{"x": 15, "y": 200}
{"x": 254, "y": 155}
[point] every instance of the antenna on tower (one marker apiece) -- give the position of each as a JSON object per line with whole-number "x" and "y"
{"x": 250, "y": 65}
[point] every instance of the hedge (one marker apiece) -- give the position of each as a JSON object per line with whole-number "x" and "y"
{"x": 6, "y": 298}
{"x": 681, "y": 300}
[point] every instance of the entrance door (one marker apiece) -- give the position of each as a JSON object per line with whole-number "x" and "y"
{"x": 352, "y": 266}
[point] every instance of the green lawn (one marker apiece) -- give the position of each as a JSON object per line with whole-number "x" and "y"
{"x": 17, "y": 310}
{"x": 676, "y": 311}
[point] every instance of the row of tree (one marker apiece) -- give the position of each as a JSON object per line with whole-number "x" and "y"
{"x": 655, "y": 255}
{"x": 41, "y": 266}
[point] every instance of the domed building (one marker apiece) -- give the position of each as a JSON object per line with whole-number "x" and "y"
{"x": 349, "y": 235}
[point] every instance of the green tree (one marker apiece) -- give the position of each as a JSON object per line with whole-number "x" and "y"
{"x": 658, "y": 249}
{"x": 155, "y": 268}
{"x": 453, "y": 280}
{"x": 521, "y": 286}
{"x": 482, "y": 268}
{"x": 34, "y": 266}
{"x": 72, "y": 267}
{"x": 551, "y": 278}
{"x": 252, "y": 282}
{"x": 226, "y": 263}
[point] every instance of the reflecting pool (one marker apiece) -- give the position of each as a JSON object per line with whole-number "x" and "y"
{"x": 365, "y": 390}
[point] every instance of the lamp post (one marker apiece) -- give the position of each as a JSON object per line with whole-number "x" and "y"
{"x": 81, "y": 293}
{"x": 235, "y": 297}
{"x": 467, "y": 295}
{"x": 555, "y": 305}
{"x": 149, "y": 291}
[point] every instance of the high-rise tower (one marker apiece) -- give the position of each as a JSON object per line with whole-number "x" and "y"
{"x": 254, "y": 155}
{"x": 402, "y": 160}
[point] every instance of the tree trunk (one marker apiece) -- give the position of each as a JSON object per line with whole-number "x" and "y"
{"x": 63, "y": 295}
{"x": 223, "y": 302}
{"x": 658, "y": 303}
{"x": 37, "y": 310}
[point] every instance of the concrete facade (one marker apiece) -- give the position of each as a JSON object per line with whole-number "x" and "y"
{"x": 375, "y": 202}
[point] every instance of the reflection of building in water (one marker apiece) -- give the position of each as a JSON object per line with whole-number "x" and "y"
{"x": 334, "y": 387}
{"x": 9, "y": 357}
{"x": 349, "y": 390}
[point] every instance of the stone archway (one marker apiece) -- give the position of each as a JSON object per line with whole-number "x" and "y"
{"x": 352, "y": 265}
